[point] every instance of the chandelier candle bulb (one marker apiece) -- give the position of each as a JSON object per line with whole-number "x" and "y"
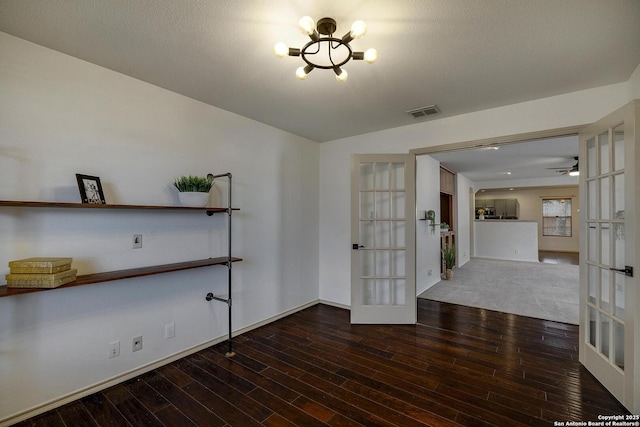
{"x": 358, "y": 29}
{"x": 281, "y": 50}
{"x": 370, "y": 56}
{"x": 303, "y": 72}
{"x": 307, "y": 25}
{"x": 341, "y": 75}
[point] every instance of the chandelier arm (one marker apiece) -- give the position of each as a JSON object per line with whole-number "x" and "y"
{"x": 330, "y": 48}
{"x": 317, "y": 43}
{"x": 304, "y": 52}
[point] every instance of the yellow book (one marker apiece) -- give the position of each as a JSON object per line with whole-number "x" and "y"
{"x": 40, "y": 265}
{"x": 41, "y": 280}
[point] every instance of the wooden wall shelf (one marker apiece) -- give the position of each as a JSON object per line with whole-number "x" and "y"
{"x": 89, "y": 279}
{"x": 27, "y": 204}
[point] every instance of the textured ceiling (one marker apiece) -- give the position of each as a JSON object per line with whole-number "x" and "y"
{"x": 516, "y": 162}
{"x": 463, "y": 55}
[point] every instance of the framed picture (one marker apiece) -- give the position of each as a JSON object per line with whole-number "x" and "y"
{"x": 90, "y": 189}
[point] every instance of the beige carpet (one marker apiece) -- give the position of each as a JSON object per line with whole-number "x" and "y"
{"x": 544, "y": 291}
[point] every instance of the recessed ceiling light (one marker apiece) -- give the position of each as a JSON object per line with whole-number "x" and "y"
{"x": 488, "y": 147}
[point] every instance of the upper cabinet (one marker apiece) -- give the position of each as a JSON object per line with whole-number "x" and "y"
{"x": 447, "y": 181}
{"x": 484, "y": 203}
{"x": 499, "y": 208}
{"x": 511, "y": 207}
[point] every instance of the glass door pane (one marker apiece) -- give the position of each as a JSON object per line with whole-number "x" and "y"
{"x": 382, "y": 233}
{"x": 591, "y": 158}
{"x": 605, "y": 245}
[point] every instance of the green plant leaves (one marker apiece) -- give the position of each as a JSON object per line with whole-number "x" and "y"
{"x": 449, "y": 256}
{"x": 193, "y": 183}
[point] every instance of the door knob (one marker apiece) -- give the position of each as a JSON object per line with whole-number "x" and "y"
{"x": 357, "y": 246}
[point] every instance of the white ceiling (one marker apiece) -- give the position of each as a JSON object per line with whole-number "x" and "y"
{"x": 463, "y": 55}
{"x": 519, "y": 164}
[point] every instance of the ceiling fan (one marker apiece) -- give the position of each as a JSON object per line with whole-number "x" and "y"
{"x": 573, "y": 170}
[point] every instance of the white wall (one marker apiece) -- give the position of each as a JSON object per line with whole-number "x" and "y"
{"x": 61, "y": 116}
{"x": 464, "y": 226}
{"x": 427, "y": 237}
{"x": 548, "y": 113}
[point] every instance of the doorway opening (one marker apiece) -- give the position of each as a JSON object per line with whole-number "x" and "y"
{"x": 534, "y": 149}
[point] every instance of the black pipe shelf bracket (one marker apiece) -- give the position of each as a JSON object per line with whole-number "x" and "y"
{"x": 210, "y": 296}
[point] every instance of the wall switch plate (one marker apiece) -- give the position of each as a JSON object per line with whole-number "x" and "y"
{"x": 137, "y": 241}
{"x": 169, "y": 330}
{"x": 114, "y": 349}
{"x": 137, "y": 343}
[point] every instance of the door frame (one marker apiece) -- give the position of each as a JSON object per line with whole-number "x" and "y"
{"x": 500, "y": 140}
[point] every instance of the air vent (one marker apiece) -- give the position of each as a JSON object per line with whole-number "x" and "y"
{"x": 424, "y": 111}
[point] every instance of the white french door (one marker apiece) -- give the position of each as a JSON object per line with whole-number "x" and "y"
{"x": 609, "y": 294}
{"x": 383, "y": 286}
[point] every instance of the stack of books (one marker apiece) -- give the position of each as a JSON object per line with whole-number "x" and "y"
{"x": 40, "y": 273}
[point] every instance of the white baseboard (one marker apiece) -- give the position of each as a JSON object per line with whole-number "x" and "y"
{"x": 335, "y": 304}
{"x": 78, "y": 394}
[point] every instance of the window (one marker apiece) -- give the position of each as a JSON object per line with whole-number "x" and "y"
{"x": 556, "y": 217}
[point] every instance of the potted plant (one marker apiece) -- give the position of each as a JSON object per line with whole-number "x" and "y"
{"x": 431, "y": 217}
{"x": 449, "y": 258}
{"x": 481, "y": 213}
{"x": 444, "y": 226}
{"x": 193, "y": 190}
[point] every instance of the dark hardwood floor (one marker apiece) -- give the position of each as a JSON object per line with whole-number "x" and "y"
{"x": 459, "y": 366}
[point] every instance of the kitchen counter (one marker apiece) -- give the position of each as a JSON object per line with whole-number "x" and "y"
{"x": 506, "y": 239}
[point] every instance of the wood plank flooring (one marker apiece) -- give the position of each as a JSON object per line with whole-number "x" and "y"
{"x": 459, "y": 366}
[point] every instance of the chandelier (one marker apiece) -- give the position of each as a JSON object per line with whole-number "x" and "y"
{"x": 327, "y": 53}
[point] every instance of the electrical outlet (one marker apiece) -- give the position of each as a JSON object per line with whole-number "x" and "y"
{"x": 137, "y": 343}
{"x": 517, "y": 251}
{"x": 430, "y": 272}
{"x": 137, "y": 241}
{"x": 114, "y": 349}
{"x": 169, "y": 330}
